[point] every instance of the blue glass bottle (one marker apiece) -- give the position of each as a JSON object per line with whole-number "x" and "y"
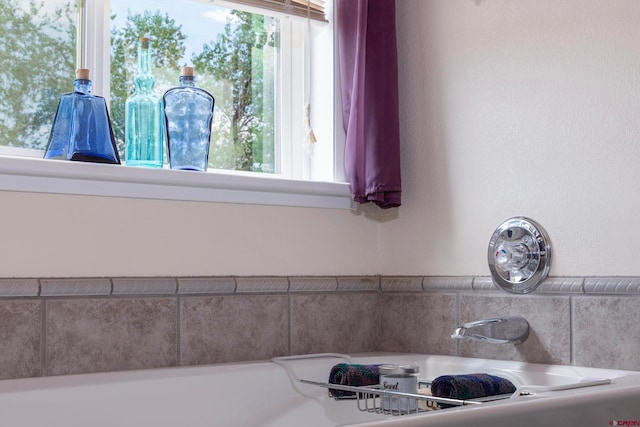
{"x": 144, "y": 126}
{"x": 81, "y": 129}
{"x": 188, "y": 112}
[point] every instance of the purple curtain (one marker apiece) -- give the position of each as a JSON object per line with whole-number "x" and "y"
{"x": 369, "y": 86}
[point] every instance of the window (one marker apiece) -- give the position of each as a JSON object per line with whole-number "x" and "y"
{"x": 230, "y": 43}
{"x": 34, "y": 36}
{"x": 237, "y": 60}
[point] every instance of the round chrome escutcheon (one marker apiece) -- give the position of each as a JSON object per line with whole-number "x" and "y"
{"x": 519, "y": 255}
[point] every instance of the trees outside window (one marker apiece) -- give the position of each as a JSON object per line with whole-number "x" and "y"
{"x": 242, "y": 62}
{"x": 238, "y": 66}
{"x": 37, "y": 61}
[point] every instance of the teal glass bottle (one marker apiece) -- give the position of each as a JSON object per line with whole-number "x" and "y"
{"x": 81, "y": 128}
{"x": 188, "y": 112}
{"x": 144, "y": 125}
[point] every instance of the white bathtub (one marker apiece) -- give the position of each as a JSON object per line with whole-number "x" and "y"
{"x": 263, "y": 394}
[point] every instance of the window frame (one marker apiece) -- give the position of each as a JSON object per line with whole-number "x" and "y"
{"x": 22, "y": 170}
{"x": 93, "y": 179}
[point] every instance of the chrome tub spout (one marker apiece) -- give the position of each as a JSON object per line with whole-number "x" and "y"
{"x": 499, "y": 330}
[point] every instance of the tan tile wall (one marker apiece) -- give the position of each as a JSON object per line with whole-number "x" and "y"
{"x": 108, "y": 334}
{"x": 230, "y": 328}
{"x": 65, "y": 326}
{"x": 418, "y": 322}
{"x": 21, "y": 338}
{"x": 605, "y": 331}
{"x": 341, "y": 322}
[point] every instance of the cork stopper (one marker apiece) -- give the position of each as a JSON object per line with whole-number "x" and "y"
{"x": 188, "y": 72}
{"x": 82, "y": 74}
{"x": 144, "y": 42}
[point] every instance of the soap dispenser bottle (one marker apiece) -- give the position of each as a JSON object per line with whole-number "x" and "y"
{"x": 144, "y": 127}
{"x": 81, "y": 128}
{"x": 188, "y": 112}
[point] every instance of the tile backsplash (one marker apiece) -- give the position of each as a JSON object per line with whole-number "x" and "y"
{"x": 66, "y": 326}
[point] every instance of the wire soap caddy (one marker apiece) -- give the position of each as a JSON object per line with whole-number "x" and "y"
{"x": 376, "y": 399}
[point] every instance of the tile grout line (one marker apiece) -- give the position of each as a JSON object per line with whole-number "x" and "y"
{"x": 378, "y": 323}
{"x": 572, "y": 355}
{"x": 178, "y": 334}
{"x": 457, "y": 322}
{"x": 289, "y": 319}
{"x": 43, "y": 340}
{"x": 572, "y": 312}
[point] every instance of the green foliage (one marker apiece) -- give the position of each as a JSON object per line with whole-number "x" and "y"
{"x": 37, "y": 59}
{"x": 236, "y": 61}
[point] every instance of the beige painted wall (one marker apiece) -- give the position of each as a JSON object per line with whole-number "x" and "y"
{"x": 508, "y": 107}
{"x": 514, "y": 107}
{"x": 46, "y": 235}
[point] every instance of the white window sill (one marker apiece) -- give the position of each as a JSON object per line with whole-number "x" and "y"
{"x": 92, "y": 179}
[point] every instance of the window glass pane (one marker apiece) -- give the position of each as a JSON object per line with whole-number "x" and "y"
{"x": 235, "y": 55}
{"x": 37, "y": 64}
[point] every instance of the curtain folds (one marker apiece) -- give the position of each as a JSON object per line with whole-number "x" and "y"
{"x": 369, "y": 87}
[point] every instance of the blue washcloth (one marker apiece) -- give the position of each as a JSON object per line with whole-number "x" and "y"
{"x": 471, "y": 386}
{"x": 352, "y": 375}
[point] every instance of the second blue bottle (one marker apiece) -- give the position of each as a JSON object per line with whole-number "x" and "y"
{"x": 188, "y": 114}
{"x": 144, "y": 124}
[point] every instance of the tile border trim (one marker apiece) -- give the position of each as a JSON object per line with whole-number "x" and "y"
{"x": 206, "y": 285}
{"x": 19, "y": 288}
{"x": 612, "y": 285}
{"x": 75, "y": 287}
{"x": 163, "y": 286}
